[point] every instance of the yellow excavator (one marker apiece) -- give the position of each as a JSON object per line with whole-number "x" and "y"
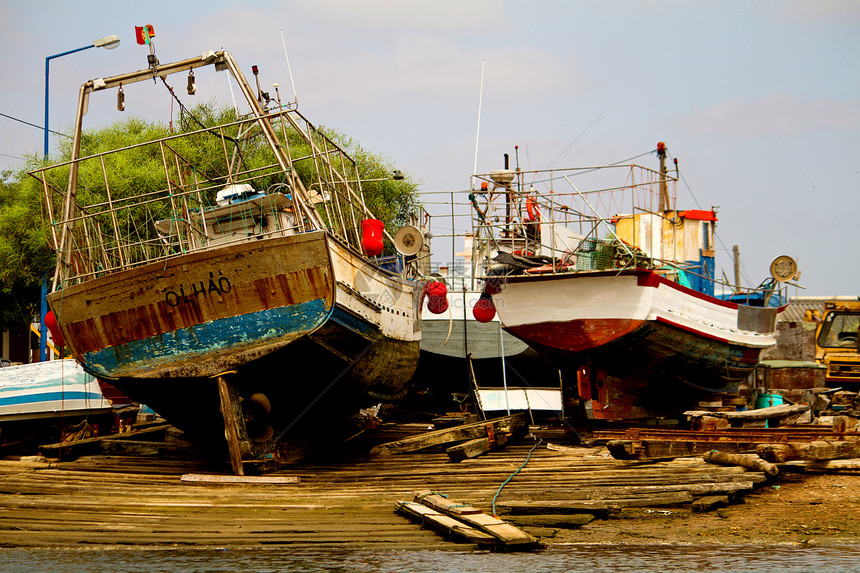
{"x": 836, "y": 343}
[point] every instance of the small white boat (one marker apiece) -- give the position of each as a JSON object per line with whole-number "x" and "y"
{"x": 49, "y": 390}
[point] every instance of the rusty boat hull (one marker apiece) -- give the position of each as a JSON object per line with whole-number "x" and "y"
{"x": 277, "y": 315}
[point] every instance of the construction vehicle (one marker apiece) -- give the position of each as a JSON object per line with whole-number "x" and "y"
{"x": 836, "y": 343}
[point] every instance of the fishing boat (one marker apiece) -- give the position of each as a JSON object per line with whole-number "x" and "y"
{"x": 240, "y": 287}
{"x": 598, "y": 269}
{"x": 42, "y": 400}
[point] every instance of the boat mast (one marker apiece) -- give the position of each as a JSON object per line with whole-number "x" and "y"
{"x": 664, "y": 186}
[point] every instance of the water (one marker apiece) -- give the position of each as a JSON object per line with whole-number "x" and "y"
{"x": 664, "y": 558}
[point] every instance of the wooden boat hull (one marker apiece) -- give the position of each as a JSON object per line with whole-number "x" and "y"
{"x": 296, "y": 318}
{"x": 637, "y": 332}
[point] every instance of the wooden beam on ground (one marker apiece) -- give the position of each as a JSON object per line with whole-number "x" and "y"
{"x": 510, "y": 538}
{"x": 230, "y": 480}
{"x": 596, "y": 506}
{"x": 570, "y": 521}
{"x": 514, "y": 425}
{"x": 827, "y": 465}
{"x": 815, "y": 450}
{"x": 456, "y": 530}
{"x": 476, "y": 447}
{"x": 749, "y": 461}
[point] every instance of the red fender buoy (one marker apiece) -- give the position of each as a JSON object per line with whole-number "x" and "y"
{"x": 371, "y": 236}
{"x": 484, "y": 310}
{"x": 54, "y": 328}
{"x": 437, "y": 297}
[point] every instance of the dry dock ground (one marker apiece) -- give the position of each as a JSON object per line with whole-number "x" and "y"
{"x": 350, "y": 502}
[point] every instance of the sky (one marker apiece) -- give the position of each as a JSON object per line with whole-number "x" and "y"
{"x": 758, "y": 99}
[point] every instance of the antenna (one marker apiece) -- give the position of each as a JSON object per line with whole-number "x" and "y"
{"x": 478, "y": 134}
{"x": 289, "y": 69}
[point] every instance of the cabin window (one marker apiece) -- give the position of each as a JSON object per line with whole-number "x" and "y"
{"x": 706, "y": 235}
{"x": 839, "y": 330}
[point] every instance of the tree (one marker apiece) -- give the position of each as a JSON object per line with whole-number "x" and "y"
{"x": 25, "y": 258}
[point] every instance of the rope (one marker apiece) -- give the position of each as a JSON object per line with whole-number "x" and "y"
{"x": 519, "y": 469}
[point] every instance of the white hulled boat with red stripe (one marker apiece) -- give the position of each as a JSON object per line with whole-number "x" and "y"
{"x": 622, "y": 300}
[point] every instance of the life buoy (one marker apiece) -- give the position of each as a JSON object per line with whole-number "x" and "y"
{"x": 533, "y": 209}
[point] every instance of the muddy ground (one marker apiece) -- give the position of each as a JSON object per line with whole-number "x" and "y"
{"x": 814, "y": 508}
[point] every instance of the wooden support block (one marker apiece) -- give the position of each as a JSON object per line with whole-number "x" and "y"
{"x": 775, "y": 453}
{"x": 709, "y": 503}
{"x": 234, "y": 423}
{"x": 515, "y": 425}
{"x": 231, "y": 480}
{"x": 474, "y": 448}
{"x": 456, "y": 530}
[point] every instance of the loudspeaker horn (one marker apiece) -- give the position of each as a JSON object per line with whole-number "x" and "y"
{"x": 408, "y": 240}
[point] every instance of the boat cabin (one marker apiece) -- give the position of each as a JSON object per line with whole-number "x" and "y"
{"x": 242, "y": 214}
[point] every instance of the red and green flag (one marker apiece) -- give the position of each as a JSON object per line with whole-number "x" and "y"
{"x": 144, "y": 33}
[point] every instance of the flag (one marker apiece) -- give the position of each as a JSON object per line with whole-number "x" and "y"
{"x": 144, "y": 33}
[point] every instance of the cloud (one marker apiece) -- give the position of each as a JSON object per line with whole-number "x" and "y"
{"x": 775, "y": 114}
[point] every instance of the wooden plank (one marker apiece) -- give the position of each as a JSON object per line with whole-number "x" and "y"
{"x": 456, "y": 530}
{"x": 570, "y": 521}
{"x": 233, "y": 479}
{"x": 515, "y": 425}
{"x": 509, "y": 537}
{"x": 476, "y": 447}
{"x": 599, "y": 506}
{"x": 780, "y": 411}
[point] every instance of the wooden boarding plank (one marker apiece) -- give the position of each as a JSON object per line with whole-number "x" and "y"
{"x": 515, "y": 424}
{"x": 234, "y": 479}
{"x": 456, "y": 530}
{"x": 509, "y": 537}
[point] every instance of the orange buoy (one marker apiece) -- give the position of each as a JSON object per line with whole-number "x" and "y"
{"x": 371, "y": 236}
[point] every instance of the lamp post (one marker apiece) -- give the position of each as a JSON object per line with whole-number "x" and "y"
{"x": 108, "y": 42}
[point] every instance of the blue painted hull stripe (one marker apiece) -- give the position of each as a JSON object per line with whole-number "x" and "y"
{"x": 48, "y": 397}
{"x": 218, "y": 337}
{"x": 353, "y": 322}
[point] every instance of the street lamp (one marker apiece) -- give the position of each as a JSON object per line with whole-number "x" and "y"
{"x": 109, "y": 42}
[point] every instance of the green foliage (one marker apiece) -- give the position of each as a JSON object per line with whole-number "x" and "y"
{"x": 26, "y": 258}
